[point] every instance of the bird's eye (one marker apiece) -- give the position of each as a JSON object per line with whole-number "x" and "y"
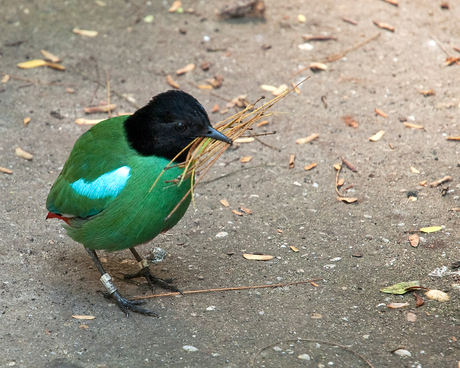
{"x": 181, "y": 127}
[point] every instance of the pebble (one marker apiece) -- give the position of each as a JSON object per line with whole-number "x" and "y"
{"x": 304, "y": 357}
{"x": 336, "y": 259}
{"x": 402, "y": 353}
{"x": 189, "y": 348}
{"x": 221, "y": 234}
{"x": 277, "y": 348}
{"x": 211, "y": 308}
{"x": 305, "y": 46}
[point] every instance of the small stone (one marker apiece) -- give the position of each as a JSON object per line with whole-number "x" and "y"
{"x": 189, "y": 348}
{"x": 222, "y": 234}
{"x": 304, "y": 357}
{"x": 211, "y": 308}
{"x": 277, "y": 348}
{"x": 402, "y": 353}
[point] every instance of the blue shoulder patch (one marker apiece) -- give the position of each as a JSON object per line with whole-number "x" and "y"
{"x": 107, "y": 185}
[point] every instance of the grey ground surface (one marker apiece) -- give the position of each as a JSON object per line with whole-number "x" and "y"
{"x": 46, "y": 278}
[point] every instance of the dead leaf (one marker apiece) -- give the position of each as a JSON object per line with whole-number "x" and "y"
{"x": 311, "y": 166}
{"x": 291, "y": 161}
{"x": 175, "y": 6}
{"x": 418, "y": 300}
{"x": 348, "y": 120}
{"x": 431, "y": 229}
{"x": 294, "y": 249}
{"x": 268, "y": 88}
{"x": 224, "y": 202}
{"x": 347, "y": 199}
{"x": 381, "y": 113}
{"x": 55, "y": 66}
{"x": 307, "y": 139}
{"x": 171, "y": 82}
{"x": 237, "y": 213}
{"x": 398, "y": 305}
{"x": 23, "y": 154}
{"x": 83, "y": 317}
{"x": 411, "y": 317}
{"x": 85, "y": 32}
{"x": 262, "y": 123}
{"x": 100, "y": 108}
{"x": 244, "y": 140}
{"x": 5, "y": 170}
{"x": 245, "y": 159}
{"x": 337, "y": 166}
{"x": 318, "y": 66}
{"x": 83, "y": 327}
{"x": 414, "y": 170}
{"x": 414, "y": 240}
{"x": 257, "y": 257}
{"x": 186, "y": 69}
{"x": 26, "y": 120}
{"x": 70, "y": 90}
{"x": 5, "y": 78}
{"x": 413, "y": 126}
{"x": 279, "y": 231}
{"x": 316, "y": 316}
{"x": 215, "y": 108}
{"x": 340, "y": 182}
{"x": 427, "y": 92}
{"x": 400, "y": 288}
{"x": 281, "y": 89}
{"x": 438, "y": 295}
{"x": 247, "y": 211}
{"x": 215, "y": 82}
{"x": 296, "y": 89}
{"x": 384, "y": 26}
{"x": 452, "y": 60}
{"x": 32, "y": 64}
{"x": 377, "y": 136}
{"x": 49, "y": 56}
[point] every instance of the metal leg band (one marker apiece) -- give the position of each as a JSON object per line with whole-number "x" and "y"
{"x": 107, "y": 281}
{"x": 143, "y": 264}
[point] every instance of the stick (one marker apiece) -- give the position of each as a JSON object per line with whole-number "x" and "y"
{"x": 265, "y": 144}
{"x": 225, "y": 289}
{"x": 440, "y": 181}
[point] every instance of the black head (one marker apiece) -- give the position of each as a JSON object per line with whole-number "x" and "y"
{"x": 168, "y": 124}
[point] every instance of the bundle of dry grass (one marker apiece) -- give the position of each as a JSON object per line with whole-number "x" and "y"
{"x": 204, "y": 152}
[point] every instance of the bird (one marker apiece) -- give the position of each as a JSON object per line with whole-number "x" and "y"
{"x": 109, "y": 193}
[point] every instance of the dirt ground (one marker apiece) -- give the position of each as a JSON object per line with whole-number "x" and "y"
{"x": 356, "y": 249}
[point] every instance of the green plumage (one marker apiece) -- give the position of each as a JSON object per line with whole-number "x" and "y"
{"x": 136, "y": 214}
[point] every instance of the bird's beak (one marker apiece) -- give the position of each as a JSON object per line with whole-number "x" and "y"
{"x": 214, "y": 134}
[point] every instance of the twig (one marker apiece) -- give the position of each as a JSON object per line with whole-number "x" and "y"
{"x": 440, "y": 181}
{"x": 441, "y": 46}
{"x": 226, "y": 289}
{"x": 341, "y": 54}
{"x": 265, "y": 144}
{"x": 337, "y": 182}
{"x": 312, "y": 340}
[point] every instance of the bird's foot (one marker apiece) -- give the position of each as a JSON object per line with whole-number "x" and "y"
{"x": 151, "y": 279}
{"x": 123, "y": 303}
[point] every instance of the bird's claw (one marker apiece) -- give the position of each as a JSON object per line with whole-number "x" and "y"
{"x": 133, "y": 305}
{"x": 153, "y": 280}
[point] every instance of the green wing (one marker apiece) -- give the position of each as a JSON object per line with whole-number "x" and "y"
{"x": 95, "y": 172}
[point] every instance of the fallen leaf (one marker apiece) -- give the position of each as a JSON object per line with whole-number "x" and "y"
{"x": 100, "y": 108}
{"x": 171, "y": 82}
{"x": 348, "y": 120}
{"x": 262, "y": 123}
{"x": 247, "y": 211}
{"x": 400, "y": 288}
{"x": 245, "y": 159}
{"x": 224, "y": 202}
{"x": 418, "y": 300}
{"x": 398, "y": 305}
{"x": 205, "y": 65}
{"x": 5, "y": 170}
{"x": 268, "y": 88}
{"x": 82, "y": 121}
{"x": 377, "y": 136}
{"x": 381, "y": 113}
{"x": 294, "y": 249}
{"x": 215, "y": 82}
{"x": 23, "y": 154}
{"x": 431, "y": 229}
{"x": 311, "y": 166}
{"x": 26, "y": 120}
{"x": 185, "y": 69}
{"x": 244, "y": 140}
{"x": 427, "y": 92}
{"x": 318, "y": 66}
{"x": 392, "y": 2}
{"x": 316, "y": 316}
{"x": 454, "y": 338}
{"x": 83, "y": 327}
{"x": 32, "y": 64}
{"x": 215, "y": 108}
{"x": 384, "y": 26}
{"x": 175, "y": 6}
{"x": 452, "y": 60}
{"x": 414, "y": 240}
{"x": 85, "y": 32}
{"x": 291, "y": 161}
{"x": 438, "y": 295}
{"x": 337, "y": 166}
{"x": 257, "y": 257}
{"x": 279, "y": 231}
{"x": 83, "y": 317}
{"x": 413, "y": 126}
{"x": 402, "y": 352}
{"x": 281, "y": 89}
{"x": 237, "y": 213}
{"x": 296, "y": 89}
{"x": 5, "y": 78}
{"x": 414, "y": 170}
{"x": 347, "y": 199}
{"x": 70, "y": 90}
{"x": 340, "y": 182}
{"x": 411, "y": 317}
{"x": 307, "y": 139}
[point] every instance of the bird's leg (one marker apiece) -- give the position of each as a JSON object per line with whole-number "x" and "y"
{"x": 113, "y": 293}
{"x": 145, "y": 272}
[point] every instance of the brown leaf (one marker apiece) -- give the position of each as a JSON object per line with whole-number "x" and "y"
{"x": 418, "y": 300}
{"x": 398, "y": 305}
{"x": 100, "y": 108}
{"x": 175, "y": 6}
{"x": 215, "y": 108}
{"x": 337, "y": 166}
{"x": 377, "y": 136}
{"x": 32, "y": 64}
{"x": 291, "y": 161}
{"x": 185, "y": 69}
{"x": 413, "y": 126}
{"x": 311, "y": 166}
{"x": 245, "y": 159}
{"x": 247, "y": 211}
{"x": 171, "y": 82}
{"x": 84, "y": 32}
{"x": 349, "y": 165}
{"x": 384, "y": 26}
{"x": 281, "y": 89}
{"x": 5, "y": 170}
{"x": 307, "y": 139}
{"x": 262, "y": 123}
{"x": 427, "y": 92}
{"x": 348, "y": 120}
{"x": 237, "y": 213}
{"x": 381, "y": 113}
{"x": 26, "y": 120}
{"x": 224, "y": 202}
{"x": 257, "y": 257}
{"x": 23, "y": 154}
{"x": 216, "y": 82}
{"x": 347, "y": 199}
{"x": 414, "y": 240}
{"x": 294, "y": 249}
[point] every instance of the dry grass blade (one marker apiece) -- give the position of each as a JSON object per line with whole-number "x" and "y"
{"x": 204, "y": 152}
